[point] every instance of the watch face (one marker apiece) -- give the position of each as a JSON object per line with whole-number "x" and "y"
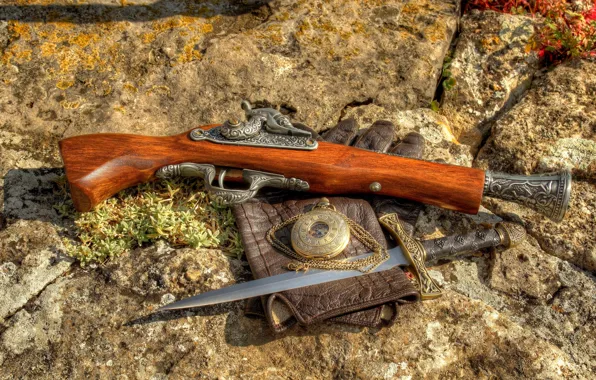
{"x": 320, "y": 234}
{"x": 318, "y": 230}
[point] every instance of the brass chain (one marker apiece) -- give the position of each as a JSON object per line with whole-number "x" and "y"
{"x": 365, "y": 265}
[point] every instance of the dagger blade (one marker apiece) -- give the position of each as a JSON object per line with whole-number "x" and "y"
{"x": 282, "y": 282}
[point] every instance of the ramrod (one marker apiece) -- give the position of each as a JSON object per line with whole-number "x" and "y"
{"x": 267, "y": 150}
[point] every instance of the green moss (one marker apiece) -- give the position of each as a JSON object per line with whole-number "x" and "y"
{"x": 178, "y": 212}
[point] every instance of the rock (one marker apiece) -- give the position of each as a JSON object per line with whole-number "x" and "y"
{"x": 557, "y": 118}
{"x": 193, "y": 65}
{"x": 180, "y": 271}
{"x": 524, "y": 271}
{"x": 36, "y": 331}
{"x": 492, "y": 68}
{"x": 163, "y": 67}
{"x": 32, "y": 257}
{"x": 567, "y": 319}
{"x": 552, "y": 127}
{"x": 106, "y": 328}
{"x": 34, "y": 194}
{"x": 440, "y": 144}
{"x": 576, "y": 153}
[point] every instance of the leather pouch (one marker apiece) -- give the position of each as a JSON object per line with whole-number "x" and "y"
{"x": 356, "y": 300}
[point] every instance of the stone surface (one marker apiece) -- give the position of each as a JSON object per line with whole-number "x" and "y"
{"x": 556, "y": 119}
{"x": 524, "y": 271}
{"x": 492, "y": 68}
{"x": 107, "y": 329}
{"x": 32, "y": 257}
{"x": 553, "y": 127}
{"x": 159, "y": 69}
{"x": 162, "y": 67}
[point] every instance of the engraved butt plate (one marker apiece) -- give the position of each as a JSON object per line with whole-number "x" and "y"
{"x": 547, "y": 194}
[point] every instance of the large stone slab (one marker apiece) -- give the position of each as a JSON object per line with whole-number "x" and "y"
{"x": 492, "y": 67}
{"x": 100, "y": 323}
{"x": 553, "y": 127}
{"x": 162, "y": 68}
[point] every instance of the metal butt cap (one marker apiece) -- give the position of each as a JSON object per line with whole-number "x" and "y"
{"x": 547, "y": 194}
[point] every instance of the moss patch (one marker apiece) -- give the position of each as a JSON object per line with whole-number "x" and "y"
{"x": 178, "y": 212}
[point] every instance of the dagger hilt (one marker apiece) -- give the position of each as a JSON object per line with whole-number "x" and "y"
{"x": 419, "y": 252}
{"x": 547, "y": 194}
{"x": 505, "y": 234}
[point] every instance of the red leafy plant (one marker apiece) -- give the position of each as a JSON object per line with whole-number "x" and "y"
{"x": 567, "y": 32}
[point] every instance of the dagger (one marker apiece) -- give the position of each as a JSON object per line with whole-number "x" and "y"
{"x": 410, "y": 252}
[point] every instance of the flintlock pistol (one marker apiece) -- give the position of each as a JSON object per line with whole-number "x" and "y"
{"x": 267, "y": 150}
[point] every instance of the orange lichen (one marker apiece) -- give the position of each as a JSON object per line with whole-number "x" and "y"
{"x": 65, "y": 48}
{"x": 47, "y": 49}
{"x": 410, "y": 8}
{"x": 186, "y": 24}
{"x": 23, "y": 55}
{"x": 83, "y": 40}
{"x": 490, "y": 41}
{"x": 358, "y": 27}
{"x": 436, "y": 31}
{"x": 20, "y": 30}
{"x": 15, "y": 53}
{"x": 190, "y": 53}
{"x": 70, "y": 105}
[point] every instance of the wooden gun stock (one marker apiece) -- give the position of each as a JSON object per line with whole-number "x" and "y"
{"x": 99, "y": 165}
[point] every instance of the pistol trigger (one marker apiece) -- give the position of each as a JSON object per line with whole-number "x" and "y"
{"x": 254, "y": 179}
{"x": 220, "y": 178}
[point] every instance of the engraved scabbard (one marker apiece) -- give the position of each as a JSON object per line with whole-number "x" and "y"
{"x": 547, "y": 194}
{"x": 505, "y": 234}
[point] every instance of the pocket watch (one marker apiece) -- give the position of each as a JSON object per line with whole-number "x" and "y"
{"x": 321, "y": 233}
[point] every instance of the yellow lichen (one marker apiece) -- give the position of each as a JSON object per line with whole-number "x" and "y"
{"x": 358, "y": 27}
{"x": 64, "y": 84}
{"x": 130, "y": 88}
{"x": 206, "y": 28}
{"x": 47, "y": 49}
{"x": 70, "y": 105}
{"x": 490, "y": 41}
{"x": 120, "y": 109}
{"x": 160, "y": 90}
{"x": 410, "y": 8}
{"x": 65, "y": 48}
{"x": 189, "y": 53}
{"x": 83, "y": 40}
{"x": 15, "y": 54}
{"x": 20, "y": 30}
{"x": 23, "y": 55}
